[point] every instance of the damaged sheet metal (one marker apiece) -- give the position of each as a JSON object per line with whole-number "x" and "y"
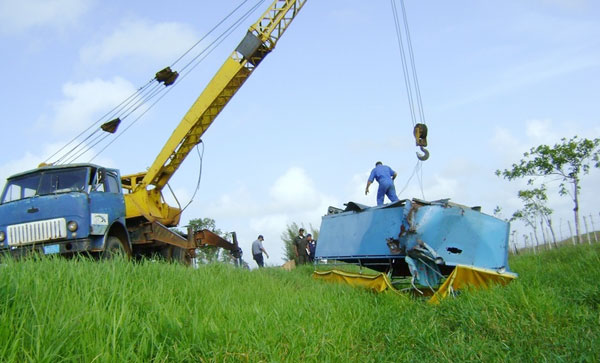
{"x": 425, "y": 240}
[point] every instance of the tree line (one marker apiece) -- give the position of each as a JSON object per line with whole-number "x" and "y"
{"x": 212, "y": 254}
{"x": 566, "y": 163}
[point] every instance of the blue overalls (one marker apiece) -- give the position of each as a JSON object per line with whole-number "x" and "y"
{"x": 383, "y": 174}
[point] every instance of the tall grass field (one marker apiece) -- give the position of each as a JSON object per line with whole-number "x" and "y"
{"x": 58, "y": 310}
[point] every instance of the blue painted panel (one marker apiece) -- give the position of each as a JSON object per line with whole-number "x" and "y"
{"x": 461, "y": 235}
{"x": 72, "y": 206}
{"x": 457, "y": 234}
{"x": 110, "y": 205}
{"x": 359, "y": 234}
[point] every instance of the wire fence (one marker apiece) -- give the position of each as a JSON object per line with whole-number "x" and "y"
{"x": 546, "y": 236}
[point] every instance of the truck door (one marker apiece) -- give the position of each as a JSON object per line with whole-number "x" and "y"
{"x": 106, "y": 201}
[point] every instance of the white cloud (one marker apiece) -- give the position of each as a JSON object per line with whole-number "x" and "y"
{"x": 458, "y": 168}
{"x": 26, "y": 162}
{"x": 503, "y": 140}
{"x": 540, "y": 132}
{"x": 236, "y": 203}
{"x": 444, "y": 187}
{"x": 293, "y": 191}
{"x": 292, "y": 197}
{"x": 31, "y": 160}
{"x": 511, "y": 146}
{"x": 17, "y": 16}
{"x": 83, "y": 101}
{"x": 140, "y": 40}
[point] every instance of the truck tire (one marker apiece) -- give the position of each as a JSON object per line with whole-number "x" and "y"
{"x": 113, "y": 247}
{"x": 176, "y": 254}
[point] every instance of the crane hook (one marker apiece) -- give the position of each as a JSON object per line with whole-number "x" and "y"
{"x": 423, "y": 156}
{"x": 420, "y": 132}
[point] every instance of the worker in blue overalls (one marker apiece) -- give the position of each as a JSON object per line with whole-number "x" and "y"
{"x": 385, "y": 178}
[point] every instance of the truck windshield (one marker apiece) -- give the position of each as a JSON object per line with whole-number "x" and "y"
{"x": 46, "y": 182}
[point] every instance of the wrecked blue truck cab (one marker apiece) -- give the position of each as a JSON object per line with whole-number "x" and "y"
{"x": 425, "y": 240}
{"x": 61, "y": 210}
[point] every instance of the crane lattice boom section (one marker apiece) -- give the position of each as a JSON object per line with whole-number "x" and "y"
{"x": 258, "y": 42}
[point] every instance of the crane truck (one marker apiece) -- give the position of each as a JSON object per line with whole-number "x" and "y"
{"x": 87, "y": 208}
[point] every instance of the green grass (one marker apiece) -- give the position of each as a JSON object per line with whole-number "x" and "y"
{"x": 78, "y": 310}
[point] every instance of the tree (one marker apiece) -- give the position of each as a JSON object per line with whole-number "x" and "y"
{"x": 566, "y": 161}
{"x": 288, "y": 235}
{"x": 498, "y": 212}
{"x": 535, "y": 209}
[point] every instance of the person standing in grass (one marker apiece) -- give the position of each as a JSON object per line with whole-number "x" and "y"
{"x": 258, "y": 250}
{"x": 300, "y": 243}
{"x": 311, "y": 247}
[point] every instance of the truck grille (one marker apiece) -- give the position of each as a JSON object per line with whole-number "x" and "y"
{"x": 49, "y": 229}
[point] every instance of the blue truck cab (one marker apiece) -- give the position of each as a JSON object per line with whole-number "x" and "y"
{"x": 63, "y": 209}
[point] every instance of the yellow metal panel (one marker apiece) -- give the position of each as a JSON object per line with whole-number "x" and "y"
{"x": 377, "y": 283}
{"x": 464, "y": 276}
{"x": 196, "y": 121}
{"x": 461, "y": 277}
{"x": 149, "y": 204}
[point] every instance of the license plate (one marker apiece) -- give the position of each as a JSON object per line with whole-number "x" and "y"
{"x": 50, "y": 249}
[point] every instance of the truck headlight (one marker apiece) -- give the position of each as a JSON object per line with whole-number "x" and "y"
{"x": 72, "y": 226}
{"x": 2, "y": 236}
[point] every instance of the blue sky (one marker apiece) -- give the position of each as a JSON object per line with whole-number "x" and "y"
{"x": 303, "y": 133}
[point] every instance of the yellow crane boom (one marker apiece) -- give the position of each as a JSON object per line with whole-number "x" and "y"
{"x": 145, "y": 197}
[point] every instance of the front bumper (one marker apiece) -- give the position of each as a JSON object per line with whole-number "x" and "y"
{"x": 64, "y": 247}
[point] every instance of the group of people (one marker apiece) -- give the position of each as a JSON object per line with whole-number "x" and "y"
{"x": 305, "y": 246}
{"x": 304, "y": 249}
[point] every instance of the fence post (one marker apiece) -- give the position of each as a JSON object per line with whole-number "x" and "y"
{"x": 593, "y": 229}
{"x": 544, "y": 241}
{"x": 560, "y": 230}
{"x": 587, "y": 232}
{"x": 552, "y": 233}
{"x": 514, "y": 242}
{"x": 571, "y": 232}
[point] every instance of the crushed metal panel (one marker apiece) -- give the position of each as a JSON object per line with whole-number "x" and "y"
{"x": 463, "y": 236}
{"x": 447, "y": 233}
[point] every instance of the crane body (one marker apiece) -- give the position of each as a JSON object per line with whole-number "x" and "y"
{"x": 75, "y": 208}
